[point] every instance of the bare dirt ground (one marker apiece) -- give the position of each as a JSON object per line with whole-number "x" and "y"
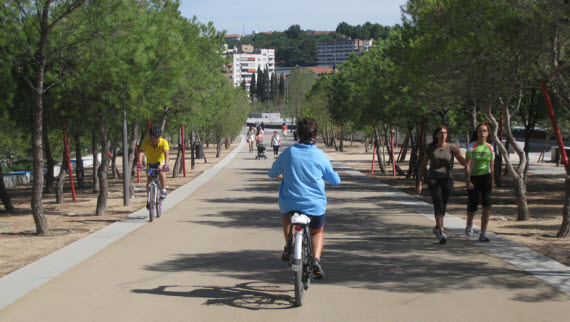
{"x": 545, "y": 200}
{"x": 71, "y": 221}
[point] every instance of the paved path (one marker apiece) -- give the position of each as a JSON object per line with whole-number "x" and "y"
{"x": 214, "y": 256}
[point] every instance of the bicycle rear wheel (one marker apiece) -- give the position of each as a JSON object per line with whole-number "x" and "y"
{"x": 152, "y": 202}
{"x": 299, "y": 287}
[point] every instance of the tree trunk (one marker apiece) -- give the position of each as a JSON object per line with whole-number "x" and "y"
{"x": 413, "y": 163}
{"x": 4, "y": 196}
{"x": 378, "y": 154}
{"x": 565, "y": 226}
{"x": 79, "y": 169}
{"x": 37, "y": 154}
{"x": 114, "y": 162}
{"x": 95, "y": 176}
{"x": 103, "y": 168}
{"x": 518, "y": 179}
{"x": 333, "y": 139}
{"x": 341, "y": 137}
{"x": 60, "y": 180}
{"x": 50, "y": 163}
{"x": 218, "y": 148}
{"x": 132, "y": 156}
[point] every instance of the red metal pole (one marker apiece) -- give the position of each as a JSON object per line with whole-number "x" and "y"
{"x": 392, "y": 148}
{"x": 183, "y": 150}
{"x": 138, "y": 171}
{"x": 405, "y": 144}
{"x": 68, "y": 162}
{"x": 563, "y": 156}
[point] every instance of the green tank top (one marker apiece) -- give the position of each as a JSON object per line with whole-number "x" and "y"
{"x": 482, "y": 155}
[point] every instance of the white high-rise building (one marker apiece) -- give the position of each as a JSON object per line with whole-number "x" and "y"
{"x": 246, "y": 64}
{"x": 336, "y": 52}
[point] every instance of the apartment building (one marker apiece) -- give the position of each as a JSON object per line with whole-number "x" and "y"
{"x": 245, "y": 65}
{"x": 336, "y": 52}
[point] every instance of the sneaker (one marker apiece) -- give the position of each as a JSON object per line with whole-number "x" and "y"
{"x": 442, "y": 238}
{"x": 163, "y": 194}
{"x": 483, "y": 237}
{"x": 317, "y": 269}
{"x": 436, "y": 232}
{"x": 469, "y": 230}
{"x": 285, "y": 255}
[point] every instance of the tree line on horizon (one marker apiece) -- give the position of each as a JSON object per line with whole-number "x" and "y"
{"x": 294, "y": 47}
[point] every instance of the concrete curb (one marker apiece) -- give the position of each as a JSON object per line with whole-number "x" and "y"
{"x": 20, "y": 282}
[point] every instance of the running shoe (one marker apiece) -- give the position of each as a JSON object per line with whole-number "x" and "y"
{"x": 317, "y": 269}
{"x": 469, "y": 230}
{"x": 442, "y": 238}
{"x": 436, "y": 232}
{"x": 483, "y": 237}
{"x": 163, "y": 194}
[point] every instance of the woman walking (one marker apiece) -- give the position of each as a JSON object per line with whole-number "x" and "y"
{"x": 440, "y": 155}
{"x": 275, "y": 143}
{"x": 251, "y": 137}
{"x": 480, "y": 179}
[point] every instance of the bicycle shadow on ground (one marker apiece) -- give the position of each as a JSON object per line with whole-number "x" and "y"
{"x": 249, "y": 295}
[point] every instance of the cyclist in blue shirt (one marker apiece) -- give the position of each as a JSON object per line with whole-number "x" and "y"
{"x": 304, "y": 168}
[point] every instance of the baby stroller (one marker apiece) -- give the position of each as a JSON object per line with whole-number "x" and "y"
{"x": 261, "y": 151}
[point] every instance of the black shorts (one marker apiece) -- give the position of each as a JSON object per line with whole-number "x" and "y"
{"x": 482, "y": 187}
{"x": 276, "y": 149}
{"x": 317, "y": 222}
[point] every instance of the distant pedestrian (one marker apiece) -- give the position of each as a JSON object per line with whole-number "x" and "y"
{"x": 480, "y": 179}
{"x": 259, "y": 137}
{"x": 284, "y": 130}
{"x": 251, "y": 137}
{"x": 275, "y": 143}
{"x": 440, "y": 155}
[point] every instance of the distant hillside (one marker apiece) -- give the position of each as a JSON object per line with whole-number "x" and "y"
{"x": 295, "y": 46}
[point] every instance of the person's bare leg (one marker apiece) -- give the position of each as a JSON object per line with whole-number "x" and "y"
{"x": 485, "y": 215}
{"x": 162, "y": 179}
{"x": 318, "y": 241}
{"x": 439, "y": 223}
{"x": 470, "y": 215}
{"x": 286, "y": 224}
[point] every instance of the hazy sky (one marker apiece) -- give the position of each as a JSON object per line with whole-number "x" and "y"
{"x": 237, "y": 16}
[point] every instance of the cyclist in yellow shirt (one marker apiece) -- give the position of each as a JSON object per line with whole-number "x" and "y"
{"x": 156, "y": 150}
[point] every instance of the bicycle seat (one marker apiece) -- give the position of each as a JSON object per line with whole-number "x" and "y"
{"x": 300, "y": 219}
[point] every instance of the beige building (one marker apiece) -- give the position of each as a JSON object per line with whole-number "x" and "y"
{"x": 336, "y": 52}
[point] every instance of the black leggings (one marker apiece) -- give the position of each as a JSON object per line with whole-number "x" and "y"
{"x": 482, "y": 187}
{"x": 440, "y": 190}
{"x": 276, "y": 149}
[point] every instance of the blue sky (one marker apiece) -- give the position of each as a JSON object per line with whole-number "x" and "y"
{"x": 273, "y": 15}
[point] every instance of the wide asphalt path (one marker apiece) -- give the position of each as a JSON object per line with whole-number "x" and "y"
{"x": 215, "y": 256}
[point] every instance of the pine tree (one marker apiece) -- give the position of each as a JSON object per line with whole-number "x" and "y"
{"x": 281, "y": 88}
{"x": 260, "y": 85}
{"x": 252, "y": 88}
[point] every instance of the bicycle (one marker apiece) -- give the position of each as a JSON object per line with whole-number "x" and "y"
{"x": 153, "y": 198}
{"x": 300, "y": 254}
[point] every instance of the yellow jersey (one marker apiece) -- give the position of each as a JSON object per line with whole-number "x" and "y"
{"x": 154, "y": 155}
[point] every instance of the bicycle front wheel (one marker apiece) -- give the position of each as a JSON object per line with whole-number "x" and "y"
{"x": 158, "y": 208}
{"x": 152, "y": 201}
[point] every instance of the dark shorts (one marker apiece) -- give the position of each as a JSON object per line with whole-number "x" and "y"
{"x": 317, "y": 222}
{"x": 482, "y": 187}
{"x": 275, "y": 149}
{"x": 153, "y": 166}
